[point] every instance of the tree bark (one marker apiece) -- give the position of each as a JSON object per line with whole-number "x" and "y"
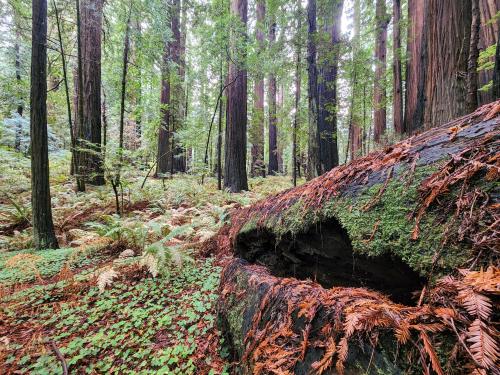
{"x": 235, "y": 176}
{"x": 313, "y": 164}
{"x": 328, "y": 57}
{"x": 80, "y": 165}
{"x": 415, "y": 67}
{"x": 355, "y": 140}
{"x": 20, "y": 106}
{"x": 43, "y": 228}
{"x": 91, "y": 19}
{"x": 397, "y": 86}
{"x": 472, "y": 76}
{"x": 448, "y": 51}
{"x": 296, "y": 116}
{"x": 379, "y": 89}
{"x": 257, "y": 130}
{"x": 273, "y": 130}
{"x": 496, "y": 73}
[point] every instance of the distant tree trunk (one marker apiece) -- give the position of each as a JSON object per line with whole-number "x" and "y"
{"x": 235, "y": 176}
{"x": 328, "y": 57}
{"x": 219, "y": 135}
{"x": 257, "y": 130}
{"x": 397, "y": 86}
{"x": 91, "y": 54}
{"x": 488, "y": 36}
{"x": 164, "y": 157}
{"x": 313, "y": 165}
{"x": 496, "y": 71}
{"x": 178, "y": 160}
{"x": 104, "y": 124}
{"x": 80, "y": 167}
{"x": 273, "y": 130}
{"x": 43, "y": 228}
{"x": 472, "y": 76}
{"x": 138, "y": 109}
{"x": 126, "y": 48}
{"x": 66, "y": 88}
{"x": 355, "y": 141}
{"x": 415, "y": 67}
{"x": 296, "y": 115}
{"x": 20, "y": 105}
{"x": 379, "y": 89}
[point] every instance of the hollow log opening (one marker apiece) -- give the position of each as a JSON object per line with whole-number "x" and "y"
{"x": 324, "y": 254}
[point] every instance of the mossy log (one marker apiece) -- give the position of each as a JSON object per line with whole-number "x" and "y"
{"x": 392, "y": 221}
{"x": 389, "y": 220}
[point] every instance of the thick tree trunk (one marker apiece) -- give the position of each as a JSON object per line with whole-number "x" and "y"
{"x": 313, "y": 165}
{"x": 328, "y": 57}
{"x": 397, "y": 85}
{"x": 80, "y": 165}
{"x": 273, "y": 121}
{"x": 415, "y": 66}
{"x": 256, "y": 133}
{"x": 91, "y": 27}
{"x": 235, "y": 176}
{"x": 298, "y": 76}
{"x": 379, "y": 89}
{"x": 20, "y": 106}
{"x": 448, "y": 52}
{"x": 43, "y": 228}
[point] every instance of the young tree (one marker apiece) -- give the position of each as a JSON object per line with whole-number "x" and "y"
{"x": 379, "y": 90}
{"x": 257, "y": 131}
{"x": 273, "y": 120}
{"x": 313, "y": 166}
{"x": 235, "y": 176}
{"x": 43, "y": 228}
{"x": 472, "y": 76}
{"x": 397, "y": 80}
{"x": 328, "y": 57}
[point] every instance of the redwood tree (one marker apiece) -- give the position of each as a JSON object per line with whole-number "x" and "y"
{"x": 379, "y": 89}
{"x": 328, "y": 57}
{"x": 256, "y": 132}
{"x": 43, "y": 228}
{"x": 235, "y": 176}
{"x": 397, "y": 86}
{"x": 91, "y": 31}
{"x": 313, "y": 167}
{"x": 164, "y": 150}
{"x": 273, "y": 130}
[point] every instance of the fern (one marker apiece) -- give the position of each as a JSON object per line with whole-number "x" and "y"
{"x": 483, "y": 346}
{"x": 105, "y": 278}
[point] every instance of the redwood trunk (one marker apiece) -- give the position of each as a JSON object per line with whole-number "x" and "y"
{"x": 163, "y": 157}
{"x": 91, "y": 27}
{"x": 43, "y": 228}
{"x": 379, "y": 89}
{"x": 472, "y": 76}
{"x": 313, "y": 166}
{"x": 328, "y": 55}
{"x": 273, "y": 130}
{"x": 257, "y": 131}
{"x": 397, "y": 86}
{"x": 235, "y": 176}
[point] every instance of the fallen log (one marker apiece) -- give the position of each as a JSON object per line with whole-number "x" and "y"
{"x": 390, "y": 220}
{"x": 394, "y": 221}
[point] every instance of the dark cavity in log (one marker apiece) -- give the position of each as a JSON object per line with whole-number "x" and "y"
{"x": 324, "y": 254}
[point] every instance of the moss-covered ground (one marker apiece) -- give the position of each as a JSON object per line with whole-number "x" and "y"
{"x": 132, "y": 322}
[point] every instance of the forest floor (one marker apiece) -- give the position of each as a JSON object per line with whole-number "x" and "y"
{"x": 97, "y": 311}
